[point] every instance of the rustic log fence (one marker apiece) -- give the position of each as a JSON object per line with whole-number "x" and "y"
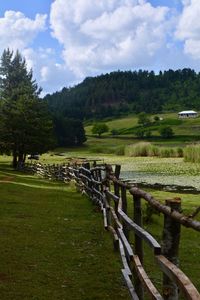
{"x": 110, "y": 194}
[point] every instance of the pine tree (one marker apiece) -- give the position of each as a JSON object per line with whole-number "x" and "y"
{"x": 25, "y": 125}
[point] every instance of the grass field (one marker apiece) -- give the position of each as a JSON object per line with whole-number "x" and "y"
{"x": 52, "y": 239}
{"x": 184, "y": 129}
{"x": 52, "y": 243}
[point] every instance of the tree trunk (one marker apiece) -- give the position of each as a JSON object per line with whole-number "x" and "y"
{"x": 14, "y": 162}
{"x": 20, "y": 162}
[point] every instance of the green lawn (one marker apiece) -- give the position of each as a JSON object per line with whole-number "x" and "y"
{"x": 53, "y": 244}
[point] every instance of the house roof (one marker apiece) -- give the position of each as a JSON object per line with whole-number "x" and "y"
{"x": 188, "y": 112}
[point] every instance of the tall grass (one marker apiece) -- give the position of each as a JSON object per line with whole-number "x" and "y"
{"x": 192, "y": 153}
{"x": 147, "y": 149}
{"x": 139, "y": 149}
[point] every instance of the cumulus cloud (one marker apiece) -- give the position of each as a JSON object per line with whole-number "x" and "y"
{"x": 17, "y": 31}
{"x": 188, "y": 29}
{"x": 50, "y": 74}
{"x": 108, "y": 34}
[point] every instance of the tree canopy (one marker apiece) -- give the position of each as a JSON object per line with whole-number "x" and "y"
{"x": 125, "y": 92}
{"x": 25, "y": 122}
{"x": 69, "y": 132}
{"x": 166, "y": 132}
{"x": 100, "y": 128}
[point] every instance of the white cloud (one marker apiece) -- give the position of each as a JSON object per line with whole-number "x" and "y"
{"x": 49, "y": 74}
{"x": 188, "y": 29}
{"x": 108, "y": 34}
{"x": 17, "y": 31}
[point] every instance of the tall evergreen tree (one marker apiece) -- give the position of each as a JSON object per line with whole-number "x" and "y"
{"x": 25, "y": 125}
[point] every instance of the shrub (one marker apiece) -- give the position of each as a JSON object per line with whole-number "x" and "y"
{"x": 148, "y": 133}
{"x": 156, "y": 119}
{"x": 140, "y": 133}
{"x": 166, "y": 132}
{"x": 143, "y": 119}
{"x": 114, "y": 132}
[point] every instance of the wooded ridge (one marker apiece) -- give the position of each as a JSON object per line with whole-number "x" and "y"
{"x": 124, "y": 92}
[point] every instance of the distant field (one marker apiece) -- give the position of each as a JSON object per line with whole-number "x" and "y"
{"x": 184, "y": 129}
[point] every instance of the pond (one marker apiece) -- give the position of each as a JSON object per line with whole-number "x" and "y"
{"x": 170, "y": 183}
{"x": 170, "y": 174}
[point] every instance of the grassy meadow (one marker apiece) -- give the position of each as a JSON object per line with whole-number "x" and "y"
{"x": 52, "y": 243}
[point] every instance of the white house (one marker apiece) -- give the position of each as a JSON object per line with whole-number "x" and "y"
{"x": 188, "y": 114}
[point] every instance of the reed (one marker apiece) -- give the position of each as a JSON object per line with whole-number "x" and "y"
{"x": 192, "y": 153}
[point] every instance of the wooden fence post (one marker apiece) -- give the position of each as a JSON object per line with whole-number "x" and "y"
{"x": 170, "y": 247}
{"x": 124, "y": 208}
{"x": 138, "y": 244}
{"x": 116, "y": 186}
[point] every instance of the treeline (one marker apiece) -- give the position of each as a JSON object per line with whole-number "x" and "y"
{"x": 128, "y": 92}
{"x": 26, "y": 124}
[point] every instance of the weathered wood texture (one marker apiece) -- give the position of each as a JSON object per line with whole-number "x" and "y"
{"x": 109, "y": 193}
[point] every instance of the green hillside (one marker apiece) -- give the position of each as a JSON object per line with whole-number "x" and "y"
{"x": 124, "y": 92}
{"x": 127, "y": 126}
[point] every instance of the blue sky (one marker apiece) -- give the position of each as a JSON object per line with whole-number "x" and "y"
{"x": 65, "y": 41}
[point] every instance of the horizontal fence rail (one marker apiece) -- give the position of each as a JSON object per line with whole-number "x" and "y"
{"x": 109, "y": 193}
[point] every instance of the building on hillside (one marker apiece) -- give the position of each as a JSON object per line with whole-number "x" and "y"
{"x": 187, "y": 114}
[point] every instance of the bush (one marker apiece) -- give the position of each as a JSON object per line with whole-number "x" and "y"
{"x": 143, "y": 119}
{"x": 156, "y": 119}
{"x": 166, "y": 132}
{"x": 148, "y": 133}
{"x": 140, "y": 133}
{"x": 114, "y": 132}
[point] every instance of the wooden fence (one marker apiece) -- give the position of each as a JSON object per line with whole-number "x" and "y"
{"x": 106, "y": 190}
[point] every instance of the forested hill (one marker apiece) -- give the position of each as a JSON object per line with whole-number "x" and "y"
{"x": 124, "y": 92}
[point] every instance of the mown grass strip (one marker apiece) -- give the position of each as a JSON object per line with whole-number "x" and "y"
{"x": 53, "y": 245}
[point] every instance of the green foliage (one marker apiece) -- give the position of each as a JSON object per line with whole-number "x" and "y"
{"x": 192, "y": 153}
{"x": 147, "y": 149}
{"x": 114, "y": 132}
{"x": 121, "y": 93}
{"x": 171, "y": 122}
{"x": 156, "y": 118}
{"x": 148, "y": 213}
{"x": 25, "y": 126}
{"x": 143, "y": 119}
{"x": 100, "y": 128}
{"x": 120, "y": 150}
{"x": 69, "y": 132}
{"x": 139, "y": 149}
{"x": 140, "y": 132}
{"x": 166, "y": 132}
{"x": 148, "y": 133}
